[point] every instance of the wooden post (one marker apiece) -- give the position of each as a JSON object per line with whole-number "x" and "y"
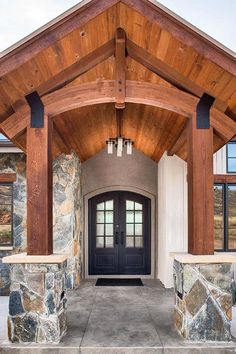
{"x": 200, "y": 180}
{"x": 39, "y": 180}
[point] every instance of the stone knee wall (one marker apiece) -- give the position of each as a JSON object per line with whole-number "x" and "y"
{"x": 37, "y": 303}
{"x": 67, "y": 211}
{"x": 203, "y": 307}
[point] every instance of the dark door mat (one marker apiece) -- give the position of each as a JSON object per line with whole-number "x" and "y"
{"x": 119, "y": 282}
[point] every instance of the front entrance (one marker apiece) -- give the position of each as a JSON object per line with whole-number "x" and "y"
{"x": 119, "y": 234}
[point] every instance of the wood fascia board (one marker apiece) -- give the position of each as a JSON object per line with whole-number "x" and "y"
{"x": 166, "y": 72}
{"x": 7, "y": 177}
{"x": 183, "y": 32}
{"x": 80, "y": 67}
{"x": 225, "y": 178}
{"x": 103, "y": 91}
{"x": 51, "y": 33}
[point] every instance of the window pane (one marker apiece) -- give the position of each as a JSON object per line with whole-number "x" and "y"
{"x": 129, "y": 205}
{"x": 100, "y": 206}
{"x": 5, "y": 235}
{"x": 109, "y": 229}
{"x": 138, "y": 216}
{"x": 109, "y": 216}
{"x": 218, "y": 217}
{"x": 232, "y": 216}
{"x": 231, "y": 165}
{"x": 100, "y": 217}
{"x": 138, "y": 229}
{"x": 138, "y": 242}
{"x": 109, "y": 205}
{"x": 231, "y": 149}
{"x": 129, "y": 216}
{"x": 99, "y": 242}
{"x": 129, "y": 229}
{"x": 138, "y": 206}
{"x": 5, "y": 194}
{"x": 129, "y": 242}
{"x": 100, "y": 229}
{"x": 5, "y": 214}
{"x": 109, "y": 242}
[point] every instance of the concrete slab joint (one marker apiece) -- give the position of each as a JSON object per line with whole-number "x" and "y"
{"x": 203, "y": 301}
{"x": 37, "y": 303}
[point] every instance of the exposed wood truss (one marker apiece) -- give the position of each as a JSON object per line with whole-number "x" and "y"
{"x": 166, "y": 72}
{"x": 120, "y": 68}
{"x": 103, "y": 91}
{"x": 85, "y": 64}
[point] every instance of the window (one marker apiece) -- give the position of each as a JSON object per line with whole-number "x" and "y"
{"x": 231, "y": 157}
{"x": 6, "y": 213}
{"x": 225, "y": 217}
{"x": 105, "y": 224}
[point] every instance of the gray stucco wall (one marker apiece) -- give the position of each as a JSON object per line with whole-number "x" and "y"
{"x": 103, "y": 170}
{"x": 67, "y": 211}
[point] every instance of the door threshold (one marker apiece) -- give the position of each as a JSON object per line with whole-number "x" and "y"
{"x": 119, "y": 276}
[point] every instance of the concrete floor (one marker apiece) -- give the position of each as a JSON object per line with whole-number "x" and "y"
{"x": 123, "y": 320}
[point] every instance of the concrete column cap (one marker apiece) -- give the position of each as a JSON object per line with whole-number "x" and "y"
{"x": 23, "y": 258}
{"x": 221, "y": 257}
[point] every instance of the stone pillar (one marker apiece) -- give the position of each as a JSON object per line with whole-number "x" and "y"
{"x": 203, "y": 300}
{"x": 37, "y": 303}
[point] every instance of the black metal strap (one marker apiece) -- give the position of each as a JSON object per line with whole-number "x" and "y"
{"x": 203, "y": 111}
{"x": 37, "y": 110}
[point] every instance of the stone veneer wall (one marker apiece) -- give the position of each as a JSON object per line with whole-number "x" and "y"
{"x": 67, "y": 204}
{"x": 203, "y": 306}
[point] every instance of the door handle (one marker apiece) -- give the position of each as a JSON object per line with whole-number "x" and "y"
{"x": 117, "y": 238}
{"x": 122, "y": 237}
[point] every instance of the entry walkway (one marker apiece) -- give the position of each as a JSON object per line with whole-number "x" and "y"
{"x": 123, "y": 320}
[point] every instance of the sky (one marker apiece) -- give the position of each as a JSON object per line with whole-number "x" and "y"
{"x": 21, "y": 17}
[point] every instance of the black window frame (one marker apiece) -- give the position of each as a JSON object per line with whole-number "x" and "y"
{"x": 225, "y": 217}
{"x": 228, "y": 157}
{"x": 10, "y": 184}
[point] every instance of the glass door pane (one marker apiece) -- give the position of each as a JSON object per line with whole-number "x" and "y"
{"x": 134, "y": 224}
{"x": 219, "y": 217}
{"x": 105, "y": 224}
{"x": 231, "y": 189}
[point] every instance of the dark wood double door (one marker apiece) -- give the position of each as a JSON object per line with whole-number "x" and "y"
{"x": 119, "y": 234}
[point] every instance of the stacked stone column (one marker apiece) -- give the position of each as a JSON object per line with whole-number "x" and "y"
{"x": 203, "y": 306}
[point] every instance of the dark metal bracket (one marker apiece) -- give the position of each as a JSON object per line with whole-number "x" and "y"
{"x": 203, "y": 111}
{"x": 37, "y": 110}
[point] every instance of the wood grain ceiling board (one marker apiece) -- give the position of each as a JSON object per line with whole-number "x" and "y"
{"x": 153, "y": 130}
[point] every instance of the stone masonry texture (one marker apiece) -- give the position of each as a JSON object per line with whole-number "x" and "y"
{"x": 37, "y": 303}
{"x": 67, "y": 211}
{"x": 203, "y": 301}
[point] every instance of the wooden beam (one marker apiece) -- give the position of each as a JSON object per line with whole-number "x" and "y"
{"x": 224, "y": 178}
{"x": 39, "y": 188}
{"x": 7, "y": 177}
{"x": 85, "y": 64}
{"x": 120, "y": 68}
{"x": 51, "y": 33}
{"x": 103, "y": 91}
{"x": 200, "y": 188}
{"x": 166, "y": 72}
{"x": 186, "y": 33}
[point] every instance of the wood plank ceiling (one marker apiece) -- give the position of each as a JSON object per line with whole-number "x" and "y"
{"x": 86, "y": 129}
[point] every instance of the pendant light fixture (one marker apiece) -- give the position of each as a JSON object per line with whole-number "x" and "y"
{"x": 119, "y": 142}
